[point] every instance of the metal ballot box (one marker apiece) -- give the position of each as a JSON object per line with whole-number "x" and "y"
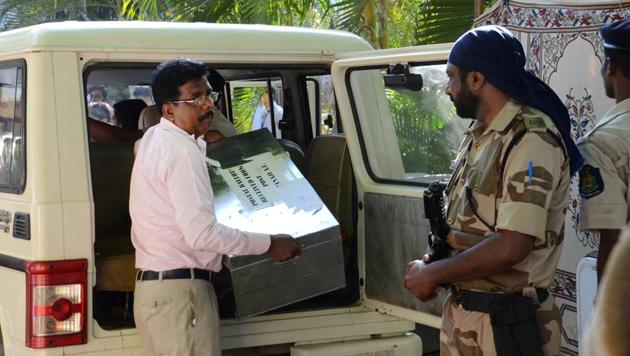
{"x": 258, "y": 188}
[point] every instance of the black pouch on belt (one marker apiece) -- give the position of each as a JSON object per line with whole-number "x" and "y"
{"x": 516, "y": 332}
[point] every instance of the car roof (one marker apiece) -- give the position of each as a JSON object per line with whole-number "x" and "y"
{"x": 181, "y": 37}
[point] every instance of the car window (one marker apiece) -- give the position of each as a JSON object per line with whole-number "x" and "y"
{"x": 12, "y": 158}
{"x": 409, "y": 135}
{"x": 251, "y": 105}
{"x": 322, "y": 105}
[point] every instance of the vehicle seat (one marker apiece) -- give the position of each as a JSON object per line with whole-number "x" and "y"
{"x": 149, "y": 116}
{"x": 295, "y": 152}
{"x": 329, "y": 170}
{"x": 115, "y": 256}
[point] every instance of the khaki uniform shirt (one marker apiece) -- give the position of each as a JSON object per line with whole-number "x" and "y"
{"x": 530, "y": 196}
{"x": 606, "y": 173}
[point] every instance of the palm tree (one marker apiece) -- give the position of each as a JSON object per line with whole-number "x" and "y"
{"x": 20, "y": 13}
{"x": 283, "y": 12}
{"x": 384, "y": 23}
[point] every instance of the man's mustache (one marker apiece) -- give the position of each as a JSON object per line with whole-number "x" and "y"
{"x": 205, "y": 116}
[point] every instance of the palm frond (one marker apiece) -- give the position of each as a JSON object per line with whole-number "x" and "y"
{"x": 444, "y": 21}
{"x": 147, "y": 10}
{"x": 348, "y": 14}
{"x": 20, "y": 13}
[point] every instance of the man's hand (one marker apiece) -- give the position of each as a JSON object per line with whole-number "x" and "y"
{"x": 283, "y": 247}
{"x": 418, "y": 281}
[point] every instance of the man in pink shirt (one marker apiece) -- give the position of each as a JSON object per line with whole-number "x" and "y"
{"x": 174, "y": 230}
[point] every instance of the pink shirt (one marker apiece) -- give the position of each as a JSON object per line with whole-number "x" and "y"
{"x": 171, "y": 206}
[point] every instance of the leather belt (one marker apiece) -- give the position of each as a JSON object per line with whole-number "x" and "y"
{"x": 481, "y": 302}
{"x": 179, "y": 273}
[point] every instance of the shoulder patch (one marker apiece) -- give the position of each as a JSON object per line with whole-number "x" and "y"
{"x": 534, "y": 122}
{"x": 591, "y": 182}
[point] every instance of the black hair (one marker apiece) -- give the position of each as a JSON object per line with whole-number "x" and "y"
{"x": 621, "y": 59}
{"x": 101, "y": 89}
{"x": 172, "y": 74}
{"x": 128, "y": 112}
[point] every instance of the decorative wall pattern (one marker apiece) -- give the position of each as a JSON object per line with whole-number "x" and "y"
{"x": 563, "y": 48}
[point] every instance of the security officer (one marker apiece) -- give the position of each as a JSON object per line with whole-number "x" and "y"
{"x": 605, "y": 176}
{"x": 506, "y": 204}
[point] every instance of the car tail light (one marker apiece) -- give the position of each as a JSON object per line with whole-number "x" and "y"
{"x": 56, "y": 303}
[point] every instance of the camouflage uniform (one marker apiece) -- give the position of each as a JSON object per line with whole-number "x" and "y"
{"x": 605, "y": 176}
{"x": 516, "y": 200}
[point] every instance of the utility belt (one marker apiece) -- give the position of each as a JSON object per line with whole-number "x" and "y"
{"x": 513, "y": 318}
{"x": 179, "y": 273}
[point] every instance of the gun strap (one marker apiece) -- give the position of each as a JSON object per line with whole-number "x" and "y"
{"x": 469, "y": 197}
{"x": 517, "y": 138}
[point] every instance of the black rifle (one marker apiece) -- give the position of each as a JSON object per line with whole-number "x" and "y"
{"x": 434, "y": 212}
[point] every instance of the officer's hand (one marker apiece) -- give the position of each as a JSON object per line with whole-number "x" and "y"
{"x": 284, "y": 247}
{"x": 418, "y": 281}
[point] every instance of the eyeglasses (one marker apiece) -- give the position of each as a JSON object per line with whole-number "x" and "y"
{"x": 200, "y": 100}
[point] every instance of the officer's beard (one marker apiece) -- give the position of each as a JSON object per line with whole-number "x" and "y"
{"x": 466, "y": 103}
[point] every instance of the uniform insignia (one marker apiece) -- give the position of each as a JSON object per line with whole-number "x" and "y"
{"x": 534, "y": 122}
{"x": 591, "y": 182}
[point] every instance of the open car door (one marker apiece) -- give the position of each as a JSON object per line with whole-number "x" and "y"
{"x": 402, "y": 133}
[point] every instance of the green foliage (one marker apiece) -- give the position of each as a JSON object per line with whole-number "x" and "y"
{"x": 20, "y": 13}
{"x": 431, "y": 21}
{"x": 444, "y": 21}
{"x": 244, "y": 103}
{"x": 284, "y": 12}
{"x": 420, "y": 131}
{"x": 354, "y": 16}
{"x": 383, "y": 23}
{"x": 407, "y": 22}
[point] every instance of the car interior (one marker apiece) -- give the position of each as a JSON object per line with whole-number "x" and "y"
{"x": 308, "y": 129}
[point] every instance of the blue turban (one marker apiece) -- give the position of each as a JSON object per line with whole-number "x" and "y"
{"x": 498, "y": 55}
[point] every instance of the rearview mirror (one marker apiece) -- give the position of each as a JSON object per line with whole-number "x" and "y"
{"x": 398, "y": 76}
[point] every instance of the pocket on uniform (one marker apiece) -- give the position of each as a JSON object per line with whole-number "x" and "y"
{"x": 483, "y": 180}
{"x": 480, "y": 199}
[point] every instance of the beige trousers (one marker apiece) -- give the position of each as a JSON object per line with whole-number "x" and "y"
{"x": 469, "y": 333}
{"x": 177, "y": 317}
